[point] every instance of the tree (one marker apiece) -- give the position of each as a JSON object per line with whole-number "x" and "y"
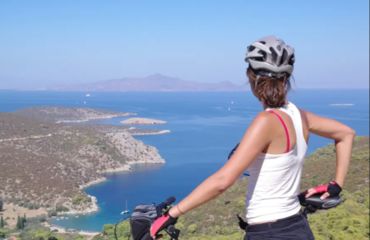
{"x": 24, "y": 220}
{"x": 2, "y": 223}
{"x": 1, "y": 205}
{"x": 21, "y": 222}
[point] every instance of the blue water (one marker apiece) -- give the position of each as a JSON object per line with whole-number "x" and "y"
{"x": 204, "y": 127}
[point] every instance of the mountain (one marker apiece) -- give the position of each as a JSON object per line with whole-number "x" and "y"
{"x": 151, "y": 83}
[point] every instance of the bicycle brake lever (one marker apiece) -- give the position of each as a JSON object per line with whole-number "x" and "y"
{"x": 172, "y": 232}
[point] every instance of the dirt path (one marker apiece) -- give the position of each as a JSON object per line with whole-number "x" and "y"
{"x": 26, "y": 138}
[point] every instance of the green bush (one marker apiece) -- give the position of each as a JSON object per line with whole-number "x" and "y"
{"x": 61, "y": 208}
{"x": 2, "y": 233}
{"x": 80, "y": 199}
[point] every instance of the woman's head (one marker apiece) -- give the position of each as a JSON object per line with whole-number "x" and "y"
{"x": 271, "y": 91}
{"x": 271, "y": 64}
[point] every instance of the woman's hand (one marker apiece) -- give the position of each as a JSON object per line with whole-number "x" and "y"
{"x": 331, "y": 189}
{"x": 161, "y": 223}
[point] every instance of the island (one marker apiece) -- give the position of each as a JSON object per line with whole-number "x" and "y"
{"x": 71, "y": 115}
{"x": 142, "y": 121}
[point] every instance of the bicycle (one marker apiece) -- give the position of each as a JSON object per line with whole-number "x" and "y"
{"x": 144, "y": 215}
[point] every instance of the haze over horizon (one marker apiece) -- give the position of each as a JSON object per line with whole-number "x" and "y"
{"x": 46, "y": 43}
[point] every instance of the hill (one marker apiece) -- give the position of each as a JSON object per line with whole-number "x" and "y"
{"x": 216, "y": 220}
{"x": 151, "y": 83}
{"x": 45, "y": 163}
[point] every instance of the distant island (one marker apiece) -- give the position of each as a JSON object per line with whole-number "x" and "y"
{"x": 48, "y": 157}
{"x": 142, "y": 121}
{"x": 151, "y": 83}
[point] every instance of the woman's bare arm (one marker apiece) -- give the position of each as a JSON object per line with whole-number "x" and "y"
{"x": 343, "y": 137}
{"x": 256, "y": 138}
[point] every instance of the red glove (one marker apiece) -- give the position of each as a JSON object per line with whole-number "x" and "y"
{"x": 332, "y": 188}
{"x": 161, "y": 223}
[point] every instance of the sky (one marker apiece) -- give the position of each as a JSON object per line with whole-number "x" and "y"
{"x": 48, "y": 43}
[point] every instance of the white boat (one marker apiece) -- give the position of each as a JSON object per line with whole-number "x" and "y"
{"x": 126, "y": 211}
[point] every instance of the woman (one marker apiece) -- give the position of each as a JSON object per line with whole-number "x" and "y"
{"x": 273, "y": 150}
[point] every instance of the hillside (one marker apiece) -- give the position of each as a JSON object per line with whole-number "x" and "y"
{"x": 216, "y": 220}
{"x": 151, "y": 83}
{"x": 45, "y": 165}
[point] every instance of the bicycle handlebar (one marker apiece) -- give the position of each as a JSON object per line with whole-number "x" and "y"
{"x": 166, "y": 203}
{"x": 171, "y": 230}
{"x": 318, "y": 203}
{"x": 314, "y": 202}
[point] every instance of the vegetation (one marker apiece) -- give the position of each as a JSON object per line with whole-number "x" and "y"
{"x": 43, "y": 233}
{"x": 217, "y": 219}
{"x": 1, "y": 205}
{"x": 2, "y": 222}
{"x": 79, "y": 199}
{"x": 2, "y": 233}
{"x": 21, "y": 222}
{"x": 33, "y": 230}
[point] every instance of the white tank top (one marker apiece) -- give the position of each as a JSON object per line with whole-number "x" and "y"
{"x": 274, "y": 181}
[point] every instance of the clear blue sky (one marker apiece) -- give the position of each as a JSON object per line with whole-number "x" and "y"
{"x": 52, "y": 42}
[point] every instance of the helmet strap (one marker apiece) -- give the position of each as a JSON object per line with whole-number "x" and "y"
{"x": 264, "y": 73}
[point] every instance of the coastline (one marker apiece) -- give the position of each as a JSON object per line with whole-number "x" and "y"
{"x": 55, "y": 228}
{"x": 142, "y": 121}
{"x": 106, "y": 116}
{"x": 93, "y": 182}
{"x": 94, "y": 202}
{"x": 160, "y": 132}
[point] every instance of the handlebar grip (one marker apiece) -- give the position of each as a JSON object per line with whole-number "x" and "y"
{"x": 170, "y": 200}
{"x": 316, "y": 202}
{"x": 166, "y": 203}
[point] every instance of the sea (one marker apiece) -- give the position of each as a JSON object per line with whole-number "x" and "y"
{"x": 204, "y": 127}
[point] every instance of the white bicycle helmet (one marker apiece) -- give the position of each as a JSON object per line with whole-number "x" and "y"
{"x": 270, "y": 55}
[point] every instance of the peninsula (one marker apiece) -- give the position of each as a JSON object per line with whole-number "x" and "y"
{"x": 48, "y": 157}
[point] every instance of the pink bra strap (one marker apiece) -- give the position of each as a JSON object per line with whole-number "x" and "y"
{"x": 285, "y": 129}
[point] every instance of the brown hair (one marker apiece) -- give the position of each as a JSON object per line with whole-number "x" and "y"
{"x": 271, "y": 91}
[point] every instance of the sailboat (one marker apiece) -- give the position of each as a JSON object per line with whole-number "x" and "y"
{"x": 126, "y": 211}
